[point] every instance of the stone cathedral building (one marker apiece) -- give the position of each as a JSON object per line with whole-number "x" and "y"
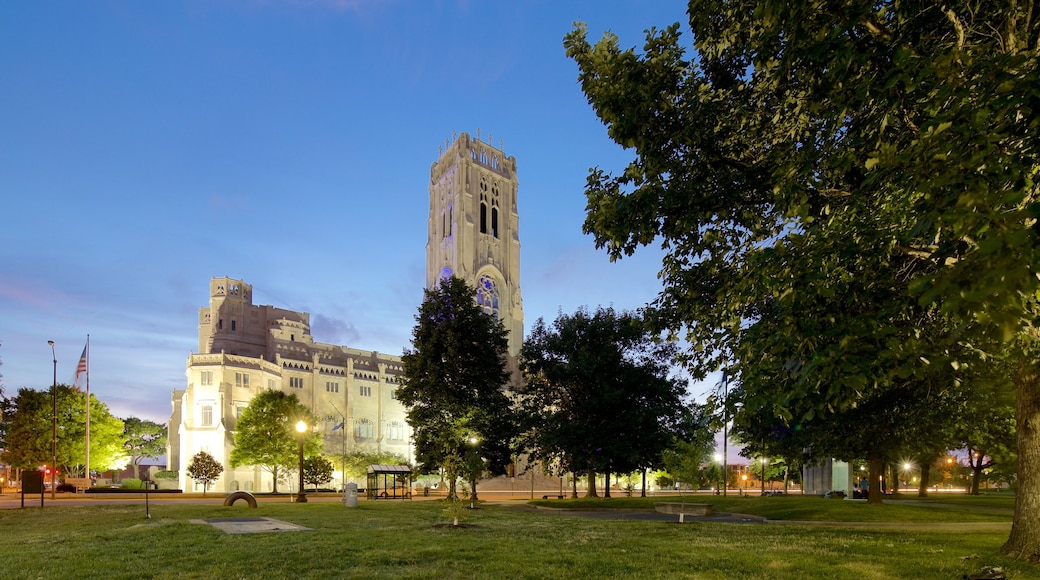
{"x": 245, "y": 348}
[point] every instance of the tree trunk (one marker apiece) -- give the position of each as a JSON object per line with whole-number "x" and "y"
{"x": 574, "y": 485}
{"x": 274, "y": 478}
{"x": 922, "y": 487}
{"x": 976, "y": 474}
{"x": 1024, "y": 541}
{"x": 592, "y": 484}
{"x": 137, "y": 473}
{"x": 875, "y": 494}
{"x": 895, "y": 477}
{"x": 473, "y": 491}
{"x": 643, "y": 492}
{"x": 606, "y": 484}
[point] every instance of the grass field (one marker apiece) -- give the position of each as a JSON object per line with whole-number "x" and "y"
{"x": 403, "y": 540}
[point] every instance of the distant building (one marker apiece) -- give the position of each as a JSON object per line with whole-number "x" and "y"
{"x": 473, "y": 232}
{"x": 245, "y": 348}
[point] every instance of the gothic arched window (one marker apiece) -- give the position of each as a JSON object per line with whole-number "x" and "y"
{"x": 363, "y": 429}
{"x": 487, "y": 294}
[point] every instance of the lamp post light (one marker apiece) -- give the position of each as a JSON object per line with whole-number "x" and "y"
{"x": 301, "y": 429}
{"x": 54, "y": 422}
{"x": 472, "y": 474}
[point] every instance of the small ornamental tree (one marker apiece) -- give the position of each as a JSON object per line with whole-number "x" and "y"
{"x": 317, "y": 470}
{"x": 204, "y": 469}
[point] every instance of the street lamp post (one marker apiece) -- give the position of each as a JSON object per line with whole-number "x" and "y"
{"x": 301, "y": 429}
{"x": 54, "y": 421}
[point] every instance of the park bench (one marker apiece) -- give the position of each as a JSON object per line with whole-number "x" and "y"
{"x": 557, "y": 497}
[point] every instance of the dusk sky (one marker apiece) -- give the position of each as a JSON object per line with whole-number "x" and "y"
{"x": 146, "y": 147}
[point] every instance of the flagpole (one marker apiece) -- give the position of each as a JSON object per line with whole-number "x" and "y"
{"x": 86, "y": 468}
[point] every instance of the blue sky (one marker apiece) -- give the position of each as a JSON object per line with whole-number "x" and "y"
{"x": 146, "y": 147}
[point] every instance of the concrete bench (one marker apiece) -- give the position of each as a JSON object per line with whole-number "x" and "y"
{"x": 556, "y": 496}
{"x": 80, "y": 483}
{"x": 684, "y": 509}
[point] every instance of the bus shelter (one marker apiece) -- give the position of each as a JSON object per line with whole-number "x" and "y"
{"x": 389, "y": 482}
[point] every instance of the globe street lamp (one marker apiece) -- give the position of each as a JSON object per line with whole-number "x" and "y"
{"x": 54, "y": 421}
{"x": 301, "y": 429}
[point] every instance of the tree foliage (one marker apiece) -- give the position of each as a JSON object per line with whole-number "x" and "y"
{"x": 205, "y": 469}
{"x": 598, "y": 395}
{"x": 454, "y": 380}
{"x": 265, "y": 434}
{"x": 142, "y": 439}
{"x": 357, "y": 462}
{"x": 317, "y": 470}
{"x": 840, "y": 172}
{"x": 30, "y": 431}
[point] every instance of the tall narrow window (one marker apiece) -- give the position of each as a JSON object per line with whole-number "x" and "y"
{"x": 241, "y": 380}
{"x": 232, "y": 325}
{"x": 207, "y": 378}
{"x": 207, "y": 415}
{"x": 494, "y": 221}
{"x": 483, "y": 218}
{"x": 487, "y": 294}
{"x": 363, "y": 429}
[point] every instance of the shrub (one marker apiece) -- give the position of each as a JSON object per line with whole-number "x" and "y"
{"x": 166, "y": 475}
{"x": 132, "y": 483}
{"x": 66, "y": 487}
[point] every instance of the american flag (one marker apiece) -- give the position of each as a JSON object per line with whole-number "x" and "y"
{"x": 82, "y": 366}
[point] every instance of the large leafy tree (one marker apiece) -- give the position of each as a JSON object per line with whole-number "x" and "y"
{"x": 455, "y": 377}
{"x": 30, "y": 431}
{"x": 800, "y": 147}
{"x": 143, "y": 439}
{"x": 598, "y": 394}
{"x": 265, "y": 434}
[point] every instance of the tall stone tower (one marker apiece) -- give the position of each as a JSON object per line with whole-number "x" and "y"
{"x": 474, "y": 229}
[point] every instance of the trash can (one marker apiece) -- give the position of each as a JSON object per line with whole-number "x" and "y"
{"x": 350, "y": 495}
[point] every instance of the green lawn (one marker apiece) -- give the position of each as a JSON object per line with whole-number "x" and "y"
{"x": 949, "y": 508}
{"x": 400, "y": 540}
